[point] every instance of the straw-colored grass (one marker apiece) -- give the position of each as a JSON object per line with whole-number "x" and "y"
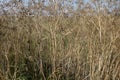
{"x": 70, "y": 43}
{"x": 49, "y": 48}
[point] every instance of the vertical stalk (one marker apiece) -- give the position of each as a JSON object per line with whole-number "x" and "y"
{"x": 53, "y": 48}
{"x": 100, "y": 28}
{"x": 90, "y": 52}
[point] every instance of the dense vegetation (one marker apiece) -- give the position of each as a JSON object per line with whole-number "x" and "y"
{"x": 60, "y": 47}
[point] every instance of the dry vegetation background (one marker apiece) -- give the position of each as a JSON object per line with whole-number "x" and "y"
{"x": 56, "y": 41}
